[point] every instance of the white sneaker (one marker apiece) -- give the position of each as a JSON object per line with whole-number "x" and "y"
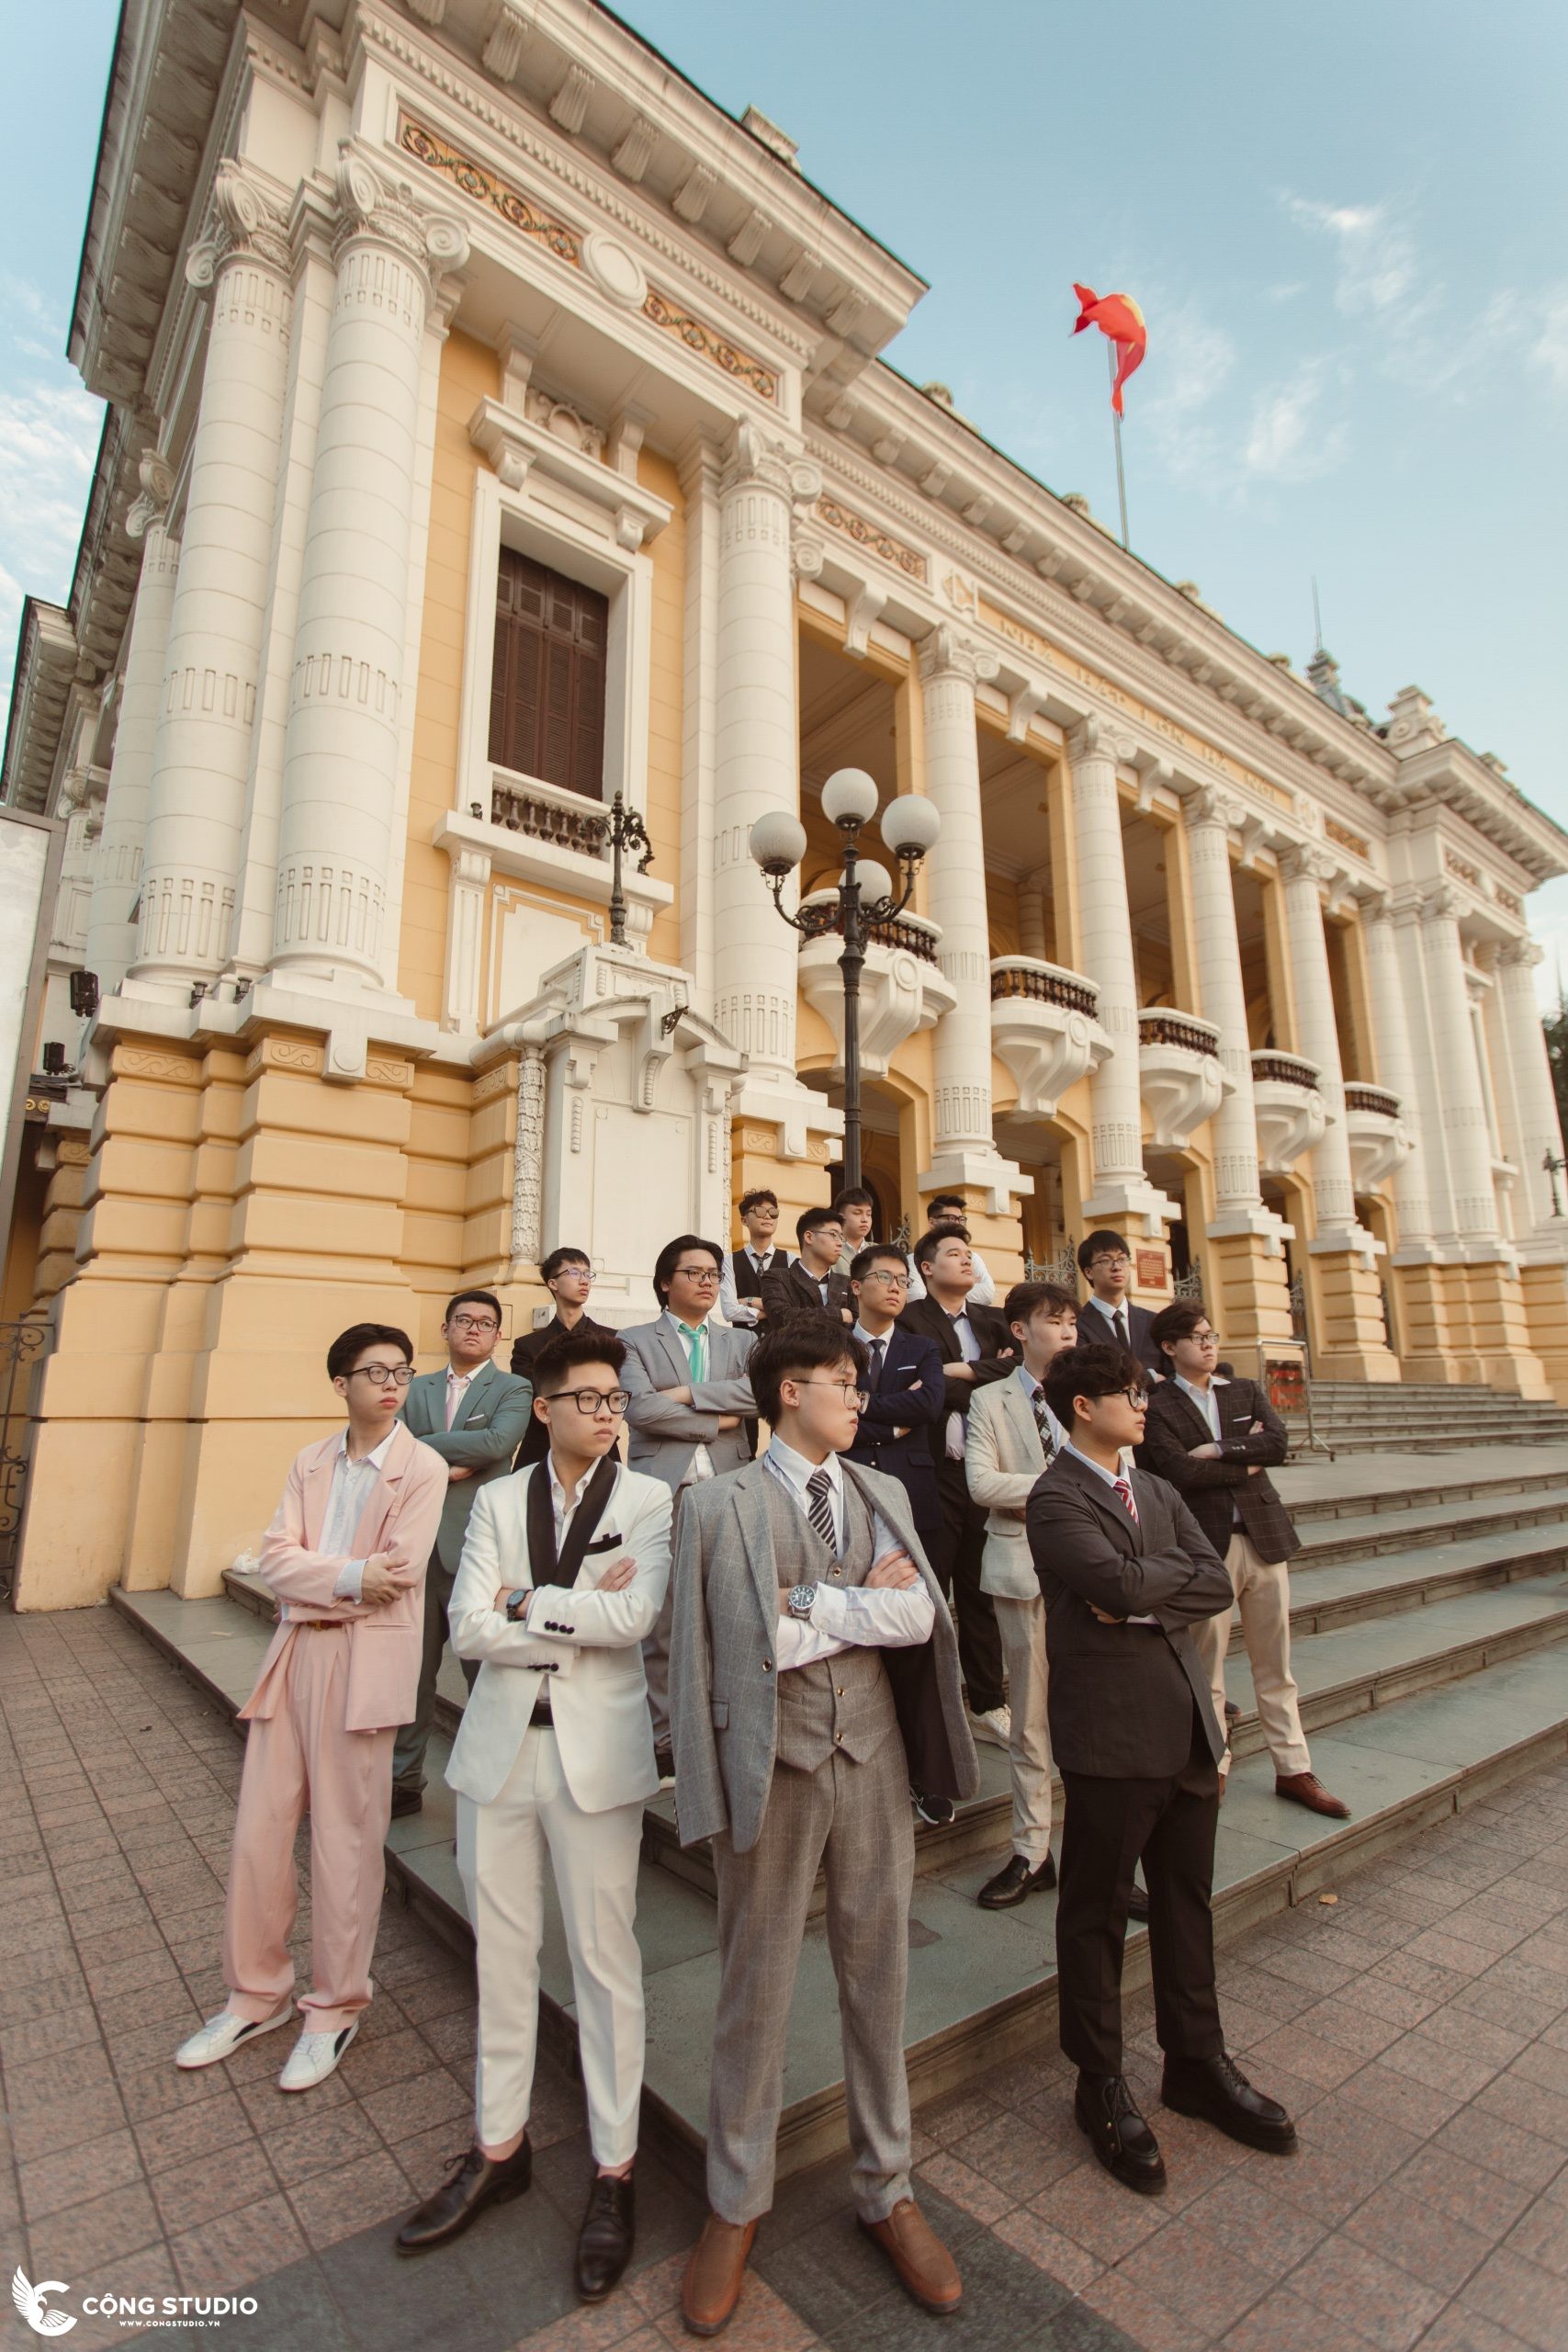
{"x": 315, "y": 2056}
{"x": 996, "y": 1727}
{"x": 221, "y": 2036}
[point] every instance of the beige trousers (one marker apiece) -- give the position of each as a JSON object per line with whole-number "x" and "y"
{"x": 1022, "y": 1625}
{"x": 1262, "y": 1590}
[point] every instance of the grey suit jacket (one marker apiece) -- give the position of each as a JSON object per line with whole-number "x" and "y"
{"x": 661, "y": 1437}
{"x": 490, "y": 1427}
{"x": 1003, "y": 1458}
{"x": 723, "y": 1680}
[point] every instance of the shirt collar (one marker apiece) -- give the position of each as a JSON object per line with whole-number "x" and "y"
{"x": 870, "y": 1338}
{"x": 796, "y": 1469}
{"x": 1111, "y": 1477}
{"x": 673, "y": 1319}
{"x": 557, "y": 1492}
{"x": 1201, "y": 1396}
{"x": 377, "y": 1454}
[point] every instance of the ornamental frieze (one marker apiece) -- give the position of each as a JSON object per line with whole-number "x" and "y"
{"x": 485, "y": 187}
{"x": 870, "y": 535}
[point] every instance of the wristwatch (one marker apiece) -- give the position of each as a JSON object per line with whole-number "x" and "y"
{"x": 516, "y": 1603}
{"x": 802, "y": 1600}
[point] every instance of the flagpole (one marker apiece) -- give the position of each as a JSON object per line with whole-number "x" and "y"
{"x": 1116, "y": 428}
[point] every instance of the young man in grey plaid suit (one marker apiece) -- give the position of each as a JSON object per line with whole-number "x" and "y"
{"x": 814, "y": 1678}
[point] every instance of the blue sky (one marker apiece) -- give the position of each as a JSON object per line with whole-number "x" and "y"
{"x": 1346, "y": 226}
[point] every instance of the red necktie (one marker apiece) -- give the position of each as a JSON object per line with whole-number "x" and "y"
{"x": 1125, "y": 1492}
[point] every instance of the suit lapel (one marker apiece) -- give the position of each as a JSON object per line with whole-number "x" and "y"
{"x": 1199, "y": 1420}
{"x": 1100, "y": 1495}
{"x": 665, "y": 1334}
{"x": 750, "y": 1498}
{"x": 383, "y": 1494}
{"x": 317, "y": 1485}
{"x": 1016, "y": 1405}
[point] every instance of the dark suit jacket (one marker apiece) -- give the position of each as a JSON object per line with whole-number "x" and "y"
{"x": 1212, "y": 1489}
{"x": 524, "y": 1352}
{"x": 789, "y": 1292}
{"x": 1092, "y": 1325}
{"x": 1120, "y": 1696}
{"x": 927, "y": 1320}
{"x": 911, "y": 1395}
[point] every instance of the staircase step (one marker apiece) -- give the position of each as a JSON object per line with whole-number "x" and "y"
{"x": 1319, "y": 1492}
{"x": 1365, "y": 1536}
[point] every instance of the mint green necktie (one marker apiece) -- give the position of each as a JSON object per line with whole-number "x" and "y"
{"x": 695, "y": 1346}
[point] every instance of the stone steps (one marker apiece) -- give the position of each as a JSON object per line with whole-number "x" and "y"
{"x": 1359, "y": 1417}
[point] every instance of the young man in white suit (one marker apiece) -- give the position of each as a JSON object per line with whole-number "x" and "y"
{"x": 1011, "y": 1437}
{"x": 562, "y": 1575}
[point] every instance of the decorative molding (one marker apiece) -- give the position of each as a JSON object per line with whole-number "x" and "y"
{"x": 569, "y": 105}
{"x": 759, "y": 461}
{"x": 1454, "y": 864}
{"x": 498, "y": 1080}
{"x": 152, "y": 505}
{"x": 519, "y": 211}
{"x": 244, "y": 225}
{"x": 709, "y": 342}
{"x": 747, "y": 243}
{"x": 504, "y": 43}
{"x": 294, "y": 1053}
{"x": 1345, "y": 838}
{"x": 634, "y": 150}
{"x": 870, "y": 536}
{"x": 383, "y": 1069}
{"x": 134, "y": 1061}
{"x": 945, "y": 653}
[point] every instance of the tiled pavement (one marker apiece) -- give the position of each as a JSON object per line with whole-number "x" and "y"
{"x": 1418, "y": 2026}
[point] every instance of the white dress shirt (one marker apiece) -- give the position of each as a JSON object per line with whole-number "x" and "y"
{"x": 702, "y": 1460}
{"x": 565, "y": 1512}
{"x": 954, "y": 1443}
{"x": 1208, "y": 1404}
{"x": 732, "y": 1308}
{"x": 1113, "y": 1478}
{"x": 877, "y": 1618}
{"x": 346, "y": 1499}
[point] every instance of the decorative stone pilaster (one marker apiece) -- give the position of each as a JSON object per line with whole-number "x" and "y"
{"x": 202, "y": 754}
{"x": 1396, "y": 1070}
{"x": 1465, "y": 1124}
{"x": 336, "y": 854}
{"x": 964, "y": 1152}
{"x": 1425, "y": 1337}
{"x": 1539, "y": 1131}
{"x": 111, "y": 932}
{"x": 528, "y": 1161}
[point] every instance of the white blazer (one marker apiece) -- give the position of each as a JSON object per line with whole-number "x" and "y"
{"x": 1002, "y": 1459}
{"x": 591, "y": 1655}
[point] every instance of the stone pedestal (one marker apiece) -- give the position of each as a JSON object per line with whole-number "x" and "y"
{"x": 1544, "y": 1282}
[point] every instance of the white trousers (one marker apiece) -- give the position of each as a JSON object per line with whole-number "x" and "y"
{"x": 1022, "y": 1625}
{"x": 500, "y": 1855}
{"x": 1262, "y": 1590}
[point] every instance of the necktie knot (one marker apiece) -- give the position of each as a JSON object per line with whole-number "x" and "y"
{"x": 819, "y": 1508}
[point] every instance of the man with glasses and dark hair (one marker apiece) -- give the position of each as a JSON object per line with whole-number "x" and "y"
{"x": 799, "y": 1726}
{"x": 1216, "y": 1438}
{"x": 473, "y": 1415}
{"x": 1109, "y": 1312}
{"x": 811, "y": 1283}
{"x": 740, "y": 1284}
{"x": 690, "y": 1406}
{"x": 563, "y": 1574}
{"x": 568, "y": 1275}
{"x": 345, "y": 1556}
{"x": 1127, "y": 1574}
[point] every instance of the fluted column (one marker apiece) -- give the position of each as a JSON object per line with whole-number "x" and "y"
{"x": 756, "y": 745}
{"x": 201, "y": 753}
{"x": 335, "y": 851}
{"x": 1318, "y": 1038}
{"x": 1106, "y": 955}
{"x": 950, "y": 667}
{"x": 1535, "y": 1099}
{"x": 112, "y": 933}
{"x": 1396, "y": 1070}
{"x": 1208, "y": 817}
{"x": 1465, "y": 1125}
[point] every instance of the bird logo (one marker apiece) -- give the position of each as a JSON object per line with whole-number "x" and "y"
{"x": 29, "y": 2300}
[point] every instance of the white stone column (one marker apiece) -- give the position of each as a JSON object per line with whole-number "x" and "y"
{"x": 1318, "y": 1039}
{"x": 1032, "y": 918}
{"x": 1416, "y": 992}
{"x": 335, "y": 836}
{"x": 1540, "y": 1130}
{"x": 1208, "y": 819}
{"x": 201, "y": 754}
{"x": 1465, "y": 1125}
{"x": 1396, "y": 1070}
{"x": 1105, "y": 953}
{"x": 756, "y": 748}
{"x": 112, "y": 933}
{"x": 700, "y": 471}
{"x": 951, "y": 666}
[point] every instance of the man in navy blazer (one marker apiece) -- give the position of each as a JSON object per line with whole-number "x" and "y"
{"x": 1109, "y": 1314}
{"x": 904, "y": 1387}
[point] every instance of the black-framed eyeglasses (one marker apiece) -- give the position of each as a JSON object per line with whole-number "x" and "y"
{"x": 698, "y": 1273}
{"x": 1137, "y": 1397}
{"x": 1109, "y": 1260}
{"x": 589, "y": 1400}
{"x": 852, "y": 1395}
{"x": 474, "y": 1323}
{"x": 384, "y": 1375}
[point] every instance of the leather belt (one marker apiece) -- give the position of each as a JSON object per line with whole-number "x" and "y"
{"x": 319, "y": 1624}
{"x": 541, "y": 1719}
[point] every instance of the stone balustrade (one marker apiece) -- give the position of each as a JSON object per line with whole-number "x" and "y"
{"x": 1045, "y": 1030}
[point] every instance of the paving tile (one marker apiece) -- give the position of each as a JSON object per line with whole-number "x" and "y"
{"x": 46, "y": 2127}
{"x": 1197, "y": 2276}
{"x": 54, "y": 2183}
{"x": 228, "y": 2253}
{"x": 1059, "y": 2257}
{"x": 1258, "y": 2222}
{"x": 1468, "y": 2193}
{"x": 1098, "y": 2212}
{"x": 1282, "y": 2321}
{"x": 198, "y": 2128}
{"x": 966, "y": 2189}
{"x": 329, "y": 2206}
{"x": 1432, "y": 2245}
{"x": 1477, "y": 2137}
{"x": 1518, "y": 2101}
{"x": 1521, "y": 2296}
{"x": 1373, "y": 2298}
{"x": 190, "y": 2194}
{"x": 406, "y": 2108}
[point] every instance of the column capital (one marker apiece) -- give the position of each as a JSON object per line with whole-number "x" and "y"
{"x": 757, "y": 460}
{"x": 374, "y": 209}
{"x": 244, "y": 224}
{"x": 1096, "y": 737}
{"x": 1302, "y": 862}
{"x": 1211, "y": 805}
{"x": 1526, "y": 951}
{"x": 151, "y": 505}
{"x": 1440, "y": 904}
{"x": 945, "y": 652}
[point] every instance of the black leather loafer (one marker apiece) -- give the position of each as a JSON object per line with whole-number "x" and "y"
{"x": 1216, "y": 2090}
{"x": 1107, "y": 2115}
{"x": 606, "y": 2240}
{"x": 1017, "y": 1879}
{"x": 1138, "y": 1904}
{"x": 473, "y": 2183}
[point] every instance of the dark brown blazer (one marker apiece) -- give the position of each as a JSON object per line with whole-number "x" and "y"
{"x": 789, "y": 1292}
{"x": 1122, "y": 1696}
{"x": 525, "y": 1353}
{"x": 998, "y": 1349}
{"x": 1213, "y": 1490}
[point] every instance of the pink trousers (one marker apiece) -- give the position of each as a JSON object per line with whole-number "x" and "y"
{"x": 301, "y": 1755}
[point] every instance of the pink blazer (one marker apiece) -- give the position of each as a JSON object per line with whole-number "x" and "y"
{"x": 384, "y": 1644}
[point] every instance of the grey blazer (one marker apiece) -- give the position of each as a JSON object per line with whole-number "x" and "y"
{"x": 661, "y": 1437}
{"x": 490, "y": 1425}
{"x": 723, "y": 1683}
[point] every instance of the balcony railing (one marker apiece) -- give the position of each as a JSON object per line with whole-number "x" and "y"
{"x": 1284, "y": 1069}
{"x": 1159, "y": 1027}
{"x": 1039, "y": 983}
{"x": 1373, "y": 1098}
{"x": 819, "y": 916}
{"x": 581, "y": 828}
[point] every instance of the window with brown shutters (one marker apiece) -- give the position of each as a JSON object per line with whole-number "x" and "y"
{"x": 546, "y": 700}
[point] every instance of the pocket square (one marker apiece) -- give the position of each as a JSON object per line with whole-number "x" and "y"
{"x": 604, "y": 1544}
{"x": 475, "y": 1421}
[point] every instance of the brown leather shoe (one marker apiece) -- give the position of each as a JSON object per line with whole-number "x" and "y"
{"x": 1305, "y": 1788}
{"x": 926, "y": 2269}
{"x": 711, "y": 2287}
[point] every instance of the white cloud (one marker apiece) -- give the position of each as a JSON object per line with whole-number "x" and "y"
{"x": 50, "y": 430}
{"x": 1290, "y": 438}
{"x": 1377, "y": 254}
{"x": 1549, "y": 352}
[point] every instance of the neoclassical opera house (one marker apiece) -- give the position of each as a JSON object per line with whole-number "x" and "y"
{"x": 496, "y": 426}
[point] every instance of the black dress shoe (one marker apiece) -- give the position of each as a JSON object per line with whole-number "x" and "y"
{"x": 475, "y": 2181}
{"x": 665, "y": 1762}
{"x": 407, "y": 1800}
{"x": 1014, "y": 1881}
{"x": 1138, "y": 1904}
{"x": 935, "y": 1812}
{"x": 606, "y": 2240}
{"x": 1108, "y": 2115}
{"x": 1217, "y": 2090}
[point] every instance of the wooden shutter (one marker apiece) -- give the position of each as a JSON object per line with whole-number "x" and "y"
{"x": 546, "y": 711}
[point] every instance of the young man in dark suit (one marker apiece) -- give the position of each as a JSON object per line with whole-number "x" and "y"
{"x": 975, "y": 1345}
{"x": 568, "y": 1275}
{"x": 1215, "y": 1442}
{"x": 906, "y": 1395}
{"x": 1126, "y": 1573}
{"x": 740, "y": 1283}
{"x": 811, "y": 1283}
{"x": 1109, "y": 1312}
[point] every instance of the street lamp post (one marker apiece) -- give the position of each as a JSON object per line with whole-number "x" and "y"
{"x": 866, "y": 897}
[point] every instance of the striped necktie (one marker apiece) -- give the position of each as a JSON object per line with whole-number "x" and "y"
{"x": 1125, "y": 1492}
{"x": 1042, "y": 1420}
{"x": 819, "y": 1503}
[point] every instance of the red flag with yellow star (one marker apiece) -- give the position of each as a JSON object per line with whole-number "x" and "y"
{"x": 1118, "y": 317}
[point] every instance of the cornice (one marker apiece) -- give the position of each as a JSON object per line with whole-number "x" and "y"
{"x": 46, "y": 667}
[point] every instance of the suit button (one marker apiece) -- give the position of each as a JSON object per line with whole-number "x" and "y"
{"x": 767, "y": 1665}
{"x": 837, "y": 1739}
{"x": 840, "y": 1690}
{"x": 835, "y": 1572}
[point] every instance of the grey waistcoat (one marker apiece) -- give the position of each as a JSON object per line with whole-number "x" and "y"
{"x": 841, "y": 1704}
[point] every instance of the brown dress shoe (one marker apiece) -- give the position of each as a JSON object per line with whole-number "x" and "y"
{"x": 1305, "y": 1788}
{"x": 926, "y": 2269}
{"x": 711, "y": 2287}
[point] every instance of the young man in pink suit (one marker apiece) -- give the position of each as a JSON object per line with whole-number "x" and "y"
{"x": 345, "y": 1556}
